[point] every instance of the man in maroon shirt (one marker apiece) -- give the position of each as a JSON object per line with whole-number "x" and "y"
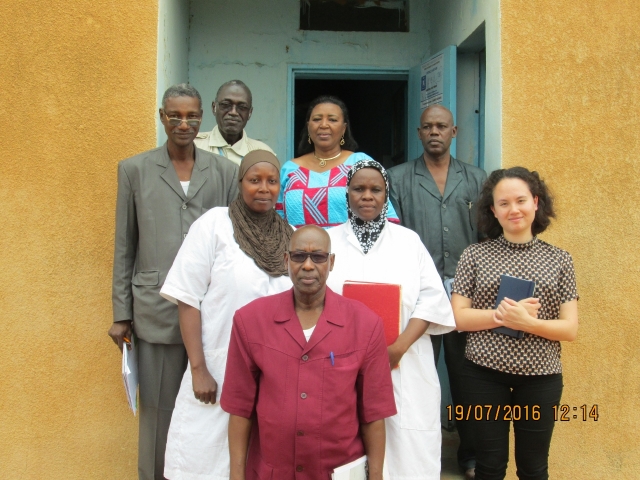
{"x": 314, "y": 404}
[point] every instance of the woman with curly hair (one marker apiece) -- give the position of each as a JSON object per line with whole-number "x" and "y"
{"x": 509, "y": 378}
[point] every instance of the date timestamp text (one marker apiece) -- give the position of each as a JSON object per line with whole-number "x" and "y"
{"x": 564, "y": 413}
{"x": 493, "y": 412}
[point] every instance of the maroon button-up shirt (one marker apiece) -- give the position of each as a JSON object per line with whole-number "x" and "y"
{"x": 309, "y": 398}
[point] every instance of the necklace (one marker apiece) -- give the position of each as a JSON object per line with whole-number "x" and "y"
{"x": 323, "y": 161}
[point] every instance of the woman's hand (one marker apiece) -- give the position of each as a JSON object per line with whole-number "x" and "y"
{"x": 532, "y": 305}
{"x": 395, "y": 351}
{"x": 204, "y": 385}
{"x": 516, "y": 315}
{"x": 414, "y": 330}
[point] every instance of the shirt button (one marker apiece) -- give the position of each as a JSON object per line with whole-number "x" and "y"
{"x": 444, "y": 205}
{"x": 184, "y": 235}
{"x": 446, "y": 254}
{"x": 305, "y": 357}
{"x": 303, "y": 395}
{"x": 446, "y": 229}
{"x": 299, "y": 468}
{"x": 184, "y": 206}
{"x": 300, "y": 433}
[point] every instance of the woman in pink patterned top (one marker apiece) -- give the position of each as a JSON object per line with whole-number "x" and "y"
{"x": 313, "y": 185}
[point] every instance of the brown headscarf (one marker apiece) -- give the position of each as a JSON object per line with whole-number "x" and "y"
{"x": 262, "y": 236}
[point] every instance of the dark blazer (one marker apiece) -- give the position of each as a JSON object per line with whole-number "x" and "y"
{"x": 153, "y": 216}
{"x": 446, "y": 224}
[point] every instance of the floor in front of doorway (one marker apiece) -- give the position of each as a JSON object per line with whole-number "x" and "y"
{"x": 449, "y": 463}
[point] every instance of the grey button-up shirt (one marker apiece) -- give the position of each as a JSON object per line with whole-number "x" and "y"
{"x": 445, "y": 223}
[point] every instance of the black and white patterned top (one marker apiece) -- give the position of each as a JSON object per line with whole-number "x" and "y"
{"x": 478, "y": 278}
{"x": 367, "y": 232}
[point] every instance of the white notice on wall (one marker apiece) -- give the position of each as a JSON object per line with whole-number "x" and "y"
{"x": 432, "y": 82}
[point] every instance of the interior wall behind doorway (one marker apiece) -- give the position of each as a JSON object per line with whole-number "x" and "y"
{"x": 377, "y": 110}
{"x": 256, "y": 41}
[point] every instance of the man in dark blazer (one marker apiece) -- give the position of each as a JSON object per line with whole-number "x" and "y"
{"x": 160, "y": 194}
{"x": 435, "y": 195}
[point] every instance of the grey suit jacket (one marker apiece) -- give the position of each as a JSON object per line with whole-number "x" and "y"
{"x": 446, "y": 224}
{"x": 153, "y": 215}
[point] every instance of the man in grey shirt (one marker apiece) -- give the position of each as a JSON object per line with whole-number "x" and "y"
{"x": 435, "y": 195}
{"x": 160, "y": 194}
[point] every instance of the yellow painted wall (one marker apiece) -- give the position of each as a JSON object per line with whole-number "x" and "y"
{"x": 571, "y": 110}
{"x": 77, "y": 92}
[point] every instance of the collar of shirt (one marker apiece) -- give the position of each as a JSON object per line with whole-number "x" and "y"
{"x": 216, "y": 140}
{"x": 330, "y": 318}
{"x": 171, "y": 177}
{"x": 454, "y": 177}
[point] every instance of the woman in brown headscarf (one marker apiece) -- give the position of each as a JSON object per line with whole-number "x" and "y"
{"x": 230, "y": 257}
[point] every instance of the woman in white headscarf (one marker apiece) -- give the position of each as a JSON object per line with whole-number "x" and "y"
{"x": 369, "y": 248}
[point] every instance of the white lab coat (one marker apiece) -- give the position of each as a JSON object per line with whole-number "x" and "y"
{"x": 399, "y": 257}
{"x": 212, "y": 274}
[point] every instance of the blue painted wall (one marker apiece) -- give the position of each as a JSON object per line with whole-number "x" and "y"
{"x": 173, "y": 51}
{"x": 210, "y": 42}
{"x": 451, "y": 23}
{"x": 255, "y": 41}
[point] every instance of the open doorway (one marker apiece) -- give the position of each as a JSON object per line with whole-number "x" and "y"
{"x": 377, "y": 109}
{"x": 471, "y": 81}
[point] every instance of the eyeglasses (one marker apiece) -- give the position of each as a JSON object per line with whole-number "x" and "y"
{"x": 316, "y": 257}
{"x": 176, "y": 122}
{"x": 228, "y": 106}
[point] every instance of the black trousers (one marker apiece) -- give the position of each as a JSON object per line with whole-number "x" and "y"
{"x": 493, "y": 400}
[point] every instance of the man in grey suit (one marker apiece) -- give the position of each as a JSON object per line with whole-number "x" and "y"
{"x": 435, "y": 196}
{"x": 160, "y": 194}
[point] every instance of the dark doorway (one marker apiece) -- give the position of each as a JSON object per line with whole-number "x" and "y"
{"x": 378, "y": 111}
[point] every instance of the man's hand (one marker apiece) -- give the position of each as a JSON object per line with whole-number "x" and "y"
{"x": 239, "y": 432}
{"x": 204, "y": 385}
{"x": 119, "y": 331}
{"x": 374, "y": 437}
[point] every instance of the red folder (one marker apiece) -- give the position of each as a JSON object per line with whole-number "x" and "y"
{"x": 384, "y": 299}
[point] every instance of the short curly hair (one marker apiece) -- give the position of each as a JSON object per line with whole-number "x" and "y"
{"x": 489, "y": 225}
{"x": 181, "y": 90}
{"x": 237, "y": 83}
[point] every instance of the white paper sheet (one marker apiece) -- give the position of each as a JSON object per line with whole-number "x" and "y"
{"x": 130, "y": 376}
{"x": 356, "y": 470}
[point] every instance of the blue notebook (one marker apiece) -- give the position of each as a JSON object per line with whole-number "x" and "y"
{"x": 516, "y": 289}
